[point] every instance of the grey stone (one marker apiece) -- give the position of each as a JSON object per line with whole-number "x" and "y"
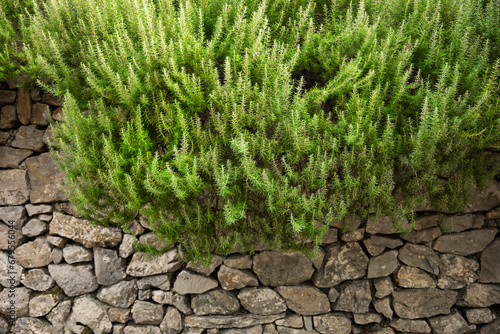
{"x": 84, "y": 232}
{"x": 145, "y": 313}
{"x": 23, "y": 106}
{"x": 383, "y": 287}
{"x": 172, "y": 322}
{"x": 414, "y": 278}
{"x": 375, "y": 245}
{"x": 276, "y": 269}
{"x": 57, "y": 241}
{"x": 189, "y": 283}
{"x": 215, "y": 302}
{"x": 493, "y": 328}
{"x": 461, "y": 223}
{"x": 355, "y": 296}
{"x": 426, "y": 222}
{"x": 158, "y": 281}
{"x": 48, "y": 135}
{"x": 127, "y": 246}
{"x": 34, "y": 254}
{"x": 263, "y": 301}
{"x": 14, "y": 189}
{"x": 46, "y": 217}
{"x": 450, "y": 324}
{"x": 30, "y": 138}
{"x": 109, "y": 267}
{"x": 490, "y": 264}
{"x": 43, "y": 304}
{"x": 355, "y": 235}
{"x": 228, "y": 321}
{"x": 367, "y": 318}
{"x": 481, "y": 295}
{"x": 92, "y": 313}
{"x": 239, "y": 261}
{"x": 423, "y": 236}
{"x": 8, "y": 265}
{"x": 56, "y": 255}
{"x": 333, "y": 294}
{"x": 422, "y": 303}
{"x": 292, "y": 320}
{"x": 318, "y": 260}
{"x": 484, "y": 200}
{"x": 134, "y": 329}
{"x": 420, "y": 256}
{"x": 332, "y": 323}
{"x": 465, "y": 243}
{"x": 11, "y": 157}
{"x": 383, "y": 265}
{"x": 4, "y": 326}
{"x": 117, "y": 314}
{"x": 10, "y": 237}
{"x": 411, "y": 326}
{"x": 193, "y": 331}
{"x": 75, "y": 280}
{"x": 383, "y": 225}
{"x": 305, "y": 300}
{"x": 383, "y": 306}
{"x": 7, "y": 96}
{"x": 46, "y": 179}
{"x": 457, "y": 271}
{"x": 58, "y": 315}
{"x": 479, "y": 315}
{"x": 249, "y": 330}
{"x": 40, "y": 114}
{"x": 216, "y": 261}
{"x": 145, "y": 294}
{"x": 308, "y": 322}
{"x": 142, "y": 265}
{"x": 118, "y": 328}
{"x": 31, "y": 325}
{"x": 231, "y": 278}
{"x": 342, "y": 263}
{"x": 172, "y": 298}
{"x": 8, "y": 117}
{"x": 286, "y": 330}
{"x": 38, "y": 280}
{"x": 17, "y": 214}
{"x": 21, "y": 302}
{"x": 75, "y": 253}
{"x": 34, "y": 228}
{"x": 122, "y": 294}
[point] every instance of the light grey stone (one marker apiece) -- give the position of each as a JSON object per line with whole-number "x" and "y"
{"x": 146, "y": 313}
{"x": 92, "y": 313}
{"x": 423, "y": 236}
{"x": 367, "y": 318}
{"x": 375, "y": 245}
{"x": 8, "y": 117}
{"x": 479, "y": 315}
{"x": 172, "y": 298}
{"x": 480, "y": 295}
{"x": 45, "y": 218}
{"x": 263, "y": 301}
{"x": 127, "y": 246}
{"x": 216, "y": 261}
{"x": 239, "y": 261}
{"x": 34, "y": 254}
{"x": 117, "y": 314}
{"x": 10, "y": 237}
{"x": 109, "y": 267}
{"x": 158, "y": 281}
{"x": 383, "y": 287}
{"x": 58, "y": 315}
{"x": 15, "y": 214}
{"x": 11, "y": 157}
{"x": 189, "y": 283}
{"x": 465, "y": 243}
{"x": 269, "y": 329}
{"x": 34, "y": 228}
{"x": 412, "y": 326}
{"x": 231, "y": 279}
{"x": 134, "y": 329}
{"x": 57, "y": 241}
{"x": 56, "y": 255}
{"x": 172, "y": 322}
{"x": 38, "y": 280}
{"x": 292, "y": 320}
{"x": 46, "y": 179}
{"x": 308, "y": 322}
{"x": 31, "y": 325}
{"x": 122, "y": 294}
{"x": 383, "y": 306}
{"x": 277, "y": 269}
{"x": 75, "y": 253}
{"x": 332, "y": 323}
{"x": 461, "y": 223}
{"x": 75, "y": 280}
{"x": 355, "y": 296}
{"x": 215, "y": 302}
{"x": 490, "y": 264}
{"x": 450, "y": 324}
{"x": 457, "y": 271}
{"x": 38, "y": 209}
{"x": 14, "y": 188}
{"x": 305, "y": 300}
{"x": 422, "y": 303}
{"x": 29, "y": 138}
{"x": 383, "y": 265}
{"x": 4, "y": 326}
{"x": 414, "y": 278}
{"x": 230, "y": 321}
{"x": 118, "y": 328}
{"x": 43, "y": 304}
{"x": 142, "y": 265}
{"x": 249, "y": 330}
{"x": 420, "y": 256}
{"x": 21, "y": 302}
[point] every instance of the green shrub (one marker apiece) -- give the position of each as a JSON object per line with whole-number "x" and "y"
{"x": 236, "y": 122}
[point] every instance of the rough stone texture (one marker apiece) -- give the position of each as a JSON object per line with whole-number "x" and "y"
{"x": 56, "y": 255}
{"x": 305, "y": 300}
{"x": 411, "y": 326}
{"x": 145, "y": 313}
{"x": 14, "y": 188}
{"x": 75, "y": 253}
{"x": 450, "y": 324}
{"x": 134, "y": 329}
{"x": 484, "y": 200}
{"x": 383, "y": 265}
{"x": 43, "y": 304}
{"x": 57, "y": 241}
{"x": 333, "y": 294}
{"x": 263, "y": 301}
{"x": 8, "y": 117}
{"x": 46, "y": 179}
{"x": 479, "y": 315}
{"x": 51, "y": 99}
{"x": 249, "y": 330}
{"x": 239, "y": 261}
{"x": 48, "y": 135}
{"x": 31, "y": 325}
{"x": 143, "y": 265}
{"x": 462, "y": 223}
{"x": 355, "y": 235}
{"x": 490, "y": 264}
{"x": 276, "y": 269}
{"x": 332, "y": 323}
{"x": 342, "y": 263}
{"x": 74, "y": 280}
{"x": 383, "y": 306}
{"x": 34, "y": 254}
{"x": 34, "y": 228}
{"x": 172, "y": 298}
{"x": 187, "y": 282}
{"x": 23, "y": 106}
{"x": 21, "y": 301}
{"x": 375, "y": 245}
{"x": 383, "y": 226}
{"x": 420, "y": 256}
{"x": 127, "y": 246}
{"x": 231, "y": 278}
{"x": 109, "y": 267}
{"x": 457, "y": 271}
{"x": 38, "y": 209}
{"x": 215, "y": 302}
{"x": 481, "y": 295}
{"x": 122, "y": 294}
{"x": 40, "y": 114}
{"x": 12, "y": 239}
{"x": 237, "y": 321}
{"x": 292, "y": 320}
{"x": 422, "y": 303}
{"x": 493, "y": 328}
{"x": 383, "y": 287}
{"x": 11, "y": 157}
{"x": 83, "y": 232}
{"x": 145, "y": 294}
{"x": 38, "y": 280}
{"x": 30, "y": 138}
{"x": 13, "y": 213}
{"x": 465, "y": 243}
{"x": 117, "y": 314}
{"x": 426, "y": 222}
{"x": 58, "y": 315}
{"x": 367, "y": 318}
{"x": 7, "y": 96}
{"x": 158, "y": 281}
{"x": 92, "y": 313}
{"x": 172, "y": 322}
{"x": 493, "y": 214}
{"x": 152, "y": 240}
{"x": 423, "y": 236}
{"x": 331, "y": 236}
{"x": 286, "y": 330}
{"x": 58, "y": 114}
{"x": 354, "y": 297}
{"x": 201, "y": 269}
{"x": 414, "y": 278}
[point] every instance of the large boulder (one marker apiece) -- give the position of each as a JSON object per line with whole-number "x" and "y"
{"x": 305, "y": 300}
{"x": 215, "y": 302}
{"x": 276, "y": 269}
{"x": 422, "y": 303}
{"x": 14, "y": 187}
{"x": 263, "y": 301}
{"x": 46, "y": 179}
{"x": 74, "y": 280}
{"x": 465, "y": 243}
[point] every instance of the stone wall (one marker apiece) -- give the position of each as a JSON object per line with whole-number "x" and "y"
{"x": 69, "y": 276}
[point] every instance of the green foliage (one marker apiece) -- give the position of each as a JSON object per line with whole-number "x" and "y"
{"x": 236, "y": 122}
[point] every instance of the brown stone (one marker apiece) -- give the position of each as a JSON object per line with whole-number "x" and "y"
{"x": 479, "y": 315}
{"x": 231, "y": 278}
{"x": 375, "y": 245}
{"x": 384, "y": 225}
{"x": 277, "y": 269}
{"x": 411, "y": 326}
{"x": 46, "y": 179}
{"x": 421, "y": 257}
{"x": 490, "y": 263}
{"x": 414, "y": 278}
{"x": 332, "y": 323}
{"x": 457, "y": 271}
{"x": 236, "y": 321}
{"x": 484, "y": 200}
{"x": 354, "y": 297}
{"x": 465, "y": 243}
{"x": 215, "y": 302}
{"x": 30, "y": 138}
{"x": 305, "y": 300}
{"x": 7, "y": 96}
{"x": 14, "y": 188}
{"x": 8, "y": 117}
{"x": 51, "y": 99}
{"x": 23, "y": 106}
{"x": 461, "y": 223}
{"x": 263, "y": 301}
{"x": 422, "y": 303}
{"x": 11, "y": 157}
{"x": 383, "y": 265}
{"x": 426, "y": 222}
{"x": 239, "y": 261}
{"x": 480, "y": 295}
{"x": 383, "y": 306}
{"x": 34, "y": 254}
{"x": 423, "y": 236}
{"x": 383, "y": 287}
{"x": 450, "y": 324}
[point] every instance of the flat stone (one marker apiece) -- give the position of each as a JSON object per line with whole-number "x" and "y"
{"x": 286, "y": 330}
{"x": 305, "y": 300}
{"x": 75, "y": 280}
{"x": 383, "y": 287}
{"x": 249, "y": 330}
{"x": 484, "y": 200}
{"x": 145, "y": 294}
{"x": 490, "y": 265}
{"x": 91, "y": 313}
{"x": 331, "y": 236}
{"x": 268, "y": 329}
{"x": 181, "y": 302}
{"x": 30, "y": 138}
{"x": 457, "y": 271}
{"x": 332, "y": 323}
{"x": 231, "y": 321}
{"x": 292, "y": 320}
{"x": 450, "y": 324}
{"x": 383, "y": 265}
{"x": 465, "y": 243}
{"x": 8, "y": 117}
{"x": 135, "y": 329}
{"x": 54, "y": 240}
{"x": 383, "y": 225}
{"x": 461, "y": 223}
{"x": 51, "y": 99}
{"x": 117, "y": 314}
{"x": 21, "y": 302}
{"x": 143, "y": 265}
{"x": 84, "y": 232}
{"x": 158, "y": 281}
{"x": 422, "y": 303}
{"x": 13, "y": 215}
{"x": 75, "y": 253}
{"x": 23, "y": 106}
{"x": 425, "y": 222}
{"x": 58, "y": 315}
{"x": 367, "y": 318}
{"x": 34, "y": 254}
{"x": 480, "y": 295}
{"x": 479, "y": 315}
{"x": 355, "y": 235}
{"x": 8, "y": 265}
{"x": 215, "y": 302}
{"x": 342, "y": 263}
{"x": 14, "y": 188}
{"x": 7, "y": 96}
{"x": 40, "y": 114}
{"x": 263, "y": 301}
{"x": 239, "y": 261}
{"x": 34, "y": 228}
{"x": 48, "y": 135}
{"x": 43, "y": 304}
{"x": 383, "y": 306}
{"x": 46, "y": 217}
{"x": 414, "y": 278}
{"x": 421, "y": 257}
{"x": 231, "y": 278}
{"x": 122, "y": 294}
{"x": 145, "y": 313}
{"x": 127, "y": 247}
{"x": 423, "y": 236}
{"x": 375, "y": 245}
{"x": 216, "y": 261}
{"x": 12, "y": 239}
{"x": 46, "y": 179}
{"x": 355, "y": 296}
{"x": 109, "y": 267}
{"x": 38, "y": 280}
{"x": 276, "y": 269}
{"x": 31, "y": 325}
{"x": 172, "y": 322}
{"x": 493, "y": 214}
{"x": 411, "y": 326}
{"x": 12, "y": 157}
{"x": 189, "y": 283}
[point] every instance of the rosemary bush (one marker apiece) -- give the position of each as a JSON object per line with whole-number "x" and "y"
{"x": 225, "y": 123}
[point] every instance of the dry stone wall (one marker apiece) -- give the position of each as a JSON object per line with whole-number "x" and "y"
{"x": 61, "y": 274}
